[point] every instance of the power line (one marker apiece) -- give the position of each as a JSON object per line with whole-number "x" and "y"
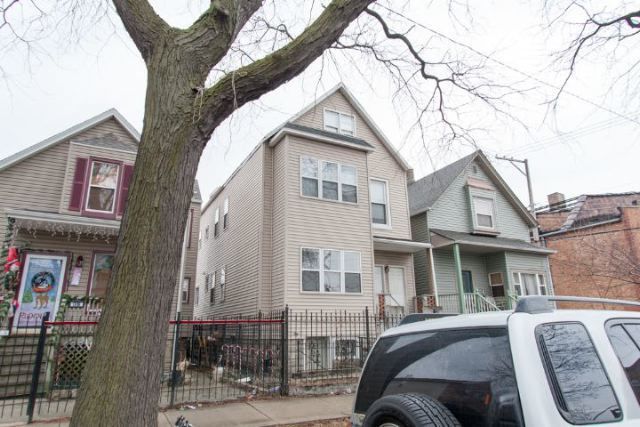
{"x": 523, "y": 73}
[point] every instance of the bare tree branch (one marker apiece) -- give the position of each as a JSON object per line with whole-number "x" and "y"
{"x": 143, "y": 24}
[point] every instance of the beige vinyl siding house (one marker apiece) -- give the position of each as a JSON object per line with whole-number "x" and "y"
{"x": 308, "y": 235}
{"x": 65, "y": 197}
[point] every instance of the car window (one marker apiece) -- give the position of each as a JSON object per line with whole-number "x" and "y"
{"x": 470, "y": 371}
{"x": 625, "y": 340}
{"x": 577, "y": 379}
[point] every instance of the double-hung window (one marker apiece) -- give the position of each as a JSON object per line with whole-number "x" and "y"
{"x": 215, "y": 222}
{"x": 196, "y": 300}
{"x": 529, "y": 283}
{"x": 330, "y": 271}
{"x": 328, "y": 180}
{"x": 379, "y": 202}
{"x": 225, "y": 213}
{"x": 102, "y": 188}
{"x": 339, "y": 122}
{"x": 186, "y": 284}
{"x": 212, "y": 287}
{"x": 484, "y": 213}
{"x": 223, "y": 282}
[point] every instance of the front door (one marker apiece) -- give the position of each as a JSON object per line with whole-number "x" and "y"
{"x": 467, "y": 282}
{"x": 397, "y": 287}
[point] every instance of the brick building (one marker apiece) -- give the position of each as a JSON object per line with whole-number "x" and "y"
{"x": 597, "y": 238}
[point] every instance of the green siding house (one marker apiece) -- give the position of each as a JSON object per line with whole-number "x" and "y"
{"x": 481, "y": 258}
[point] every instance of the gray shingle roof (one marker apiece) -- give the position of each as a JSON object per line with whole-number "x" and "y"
{"x": 424, "y": 192}
{"x": 502, "y": 242}
{"x": 346, "y": 138}
{"x": 109, "y": 140}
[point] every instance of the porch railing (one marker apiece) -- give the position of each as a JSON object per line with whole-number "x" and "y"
{"x": 474, "y": 302}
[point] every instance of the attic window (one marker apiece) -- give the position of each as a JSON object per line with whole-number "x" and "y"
{"x": 339, "y": 122}
{"x": 484, "y": 213}
{"x": 102, "y": 187}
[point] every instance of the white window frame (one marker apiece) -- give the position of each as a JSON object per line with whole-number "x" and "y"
{"x": 196, "y": 296}
{"x": 539, "y": 284}
{"x": 321, "y": 271}
{"x": 320, "y": 178}
{"x": 212, "y": 288}
{"x": 334, "y": 345}
{"x": 115, "y": 189}
{"x": 225, "y": 213}
{"x": 182, "y": 289}
{"x": 477, "y": 226}
{"x": 340, "y": 115}
{"x": 216, "y": 221}
{"x": 223, "y": 282}
{"x": 388, "y": 204}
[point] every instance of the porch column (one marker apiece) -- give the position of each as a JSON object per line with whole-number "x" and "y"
{"x": 460, "y": 286}
{"x": 434, "y": 281}
{"x": 507, "y": 282}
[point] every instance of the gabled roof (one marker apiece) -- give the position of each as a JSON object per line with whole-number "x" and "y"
{"x": 425, "y": 192}
{"x": 340, "y": 87}
{"x": 69, "y": 133}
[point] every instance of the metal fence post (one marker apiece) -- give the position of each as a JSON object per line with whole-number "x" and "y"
{"x": 174, "y": 364}
{"x": 37, "y": 367}
{"x": 284, "y": 356}
{"x": 366, "y": 321}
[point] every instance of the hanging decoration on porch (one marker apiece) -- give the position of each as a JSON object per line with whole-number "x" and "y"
{"x": 9, "y": 273}
{"x": 70, "y": 232}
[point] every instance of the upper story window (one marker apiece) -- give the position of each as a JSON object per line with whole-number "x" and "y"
{"x": 99, "y": 187}
{"x": 379, "y": 203}
{"x": 223, "y": 282}
{"x": 330, "y": 271}
{"x": 328, "y": 180}
{"x": 225, "y": 213}
{"x": 337, "y": 122}
{"x": 484, "y": 212}
{"x": 103, "y": 186}
{"x": 186, "y": 284}
{"x": 216, "y": 220}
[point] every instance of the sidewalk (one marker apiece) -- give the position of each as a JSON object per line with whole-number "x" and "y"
{"x": 256, "y": 413}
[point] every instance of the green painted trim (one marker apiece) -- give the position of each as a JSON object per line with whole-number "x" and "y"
{"x": 459, "y": 284}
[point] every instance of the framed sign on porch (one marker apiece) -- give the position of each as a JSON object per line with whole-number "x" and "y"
{"x": 42, "y": 280}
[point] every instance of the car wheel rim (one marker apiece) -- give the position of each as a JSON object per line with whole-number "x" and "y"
{"x": 388, "y": 424}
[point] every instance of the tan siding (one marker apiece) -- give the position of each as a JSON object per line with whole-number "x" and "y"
{"x": 279, "y": 227}
{"x": 324, "y": 224}
{"x": 78, "y": 150}
{"x": 266, "y": 243}
{"x": 381, "y": 163}
{"x": 190, "y": 266}
{"x": 394, "y": 259}
{"x": 237, "y": 248}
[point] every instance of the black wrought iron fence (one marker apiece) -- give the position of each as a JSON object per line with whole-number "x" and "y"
{"x": 327, "y": 349}
{"x": 41, "y": 365}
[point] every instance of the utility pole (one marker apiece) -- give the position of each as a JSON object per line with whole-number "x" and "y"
{"x": 526, "y": 173}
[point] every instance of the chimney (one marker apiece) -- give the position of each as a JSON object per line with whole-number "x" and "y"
{"x": 556, "y": 201}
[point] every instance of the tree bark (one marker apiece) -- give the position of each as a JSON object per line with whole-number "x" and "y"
{"x": 134, "y": 322}
{"x": 121, "y": 381}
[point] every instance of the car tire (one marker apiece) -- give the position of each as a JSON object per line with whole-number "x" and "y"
{"x": 409, "y": 410}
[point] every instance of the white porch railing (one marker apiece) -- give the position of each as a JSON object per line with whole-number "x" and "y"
{"x": 474, "y": 302}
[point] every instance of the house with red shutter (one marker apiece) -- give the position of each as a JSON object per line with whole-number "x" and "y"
{"x": 61, "y": 202}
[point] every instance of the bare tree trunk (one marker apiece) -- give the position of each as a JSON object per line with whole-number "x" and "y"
{"x": 146, "y": 265}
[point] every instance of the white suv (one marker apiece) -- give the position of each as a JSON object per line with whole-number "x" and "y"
{"x": 535, "y": 366}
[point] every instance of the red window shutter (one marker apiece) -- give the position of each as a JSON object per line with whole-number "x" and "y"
{"x": 77, "y": 188}
{"x": 124, "y": 188}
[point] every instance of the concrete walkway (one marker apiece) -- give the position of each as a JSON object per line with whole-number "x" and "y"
{"x": 256, "y": 413}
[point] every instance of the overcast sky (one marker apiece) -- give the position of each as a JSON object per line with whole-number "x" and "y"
{"x": 589, "y": 144}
